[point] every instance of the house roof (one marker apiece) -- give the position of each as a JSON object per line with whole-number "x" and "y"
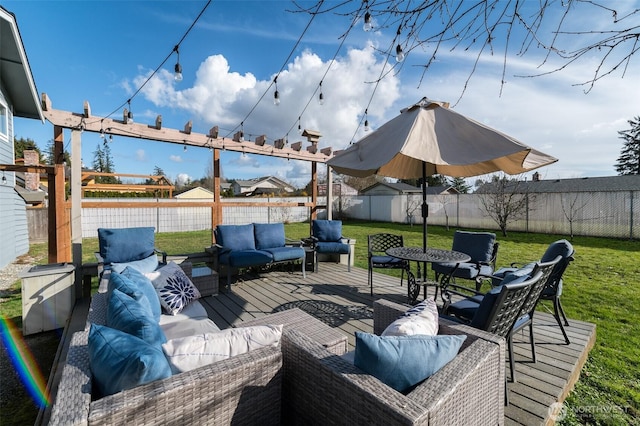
{"x": 585, "y": 184}
{"x": 15, "y": 72}
{"x": 198, "y": 190}
{"x": 256, "y": 181}
{"x": 401, "y": 187}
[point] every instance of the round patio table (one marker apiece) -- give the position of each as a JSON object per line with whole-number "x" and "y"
{"x": 429, "y": 255}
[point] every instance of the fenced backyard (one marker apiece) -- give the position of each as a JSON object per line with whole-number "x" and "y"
{"x": 595, "y": 214}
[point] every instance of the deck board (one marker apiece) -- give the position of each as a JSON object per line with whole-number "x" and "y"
{"x": 342, "y": 299}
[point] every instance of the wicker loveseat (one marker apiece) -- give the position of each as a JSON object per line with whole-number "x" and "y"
{"x": 254, "y": 244}
{"x": 322, "y": 388}
{"x": 244, "y": 389}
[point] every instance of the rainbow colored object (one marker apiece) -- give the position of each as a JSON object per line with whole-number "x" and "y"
{"x": 24, "y": 362}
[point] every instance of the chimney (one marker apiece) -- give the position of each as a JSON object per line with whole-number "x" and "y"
{"x": 31, "y": 180}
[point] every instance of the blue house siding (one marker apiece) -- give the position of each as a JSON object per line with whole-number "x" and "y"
{"x": 14, "y": 232}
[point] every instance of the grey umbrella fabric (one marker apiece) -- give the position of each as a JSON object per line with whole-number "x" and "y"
{"x": 446, "y": 142}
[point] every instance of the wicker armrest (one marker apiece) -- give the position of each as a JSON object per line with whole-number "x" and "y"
{"x": 321, "y": 388}
{"x": 246, "y": 389}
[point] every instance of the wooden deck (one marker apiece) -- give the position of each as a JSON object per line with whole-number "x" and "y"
{"x": 342, "y": 300}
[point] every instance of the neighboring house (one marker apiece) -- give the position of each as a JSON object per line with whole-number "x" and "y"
{"x": 401, "y": 188}
{"x": 18, "y": 98}
{"x": 339, "y": 188}
{"x": 262, "y": 185}
{"x": 197, "y": 193}
{"x": 586, "y": 184}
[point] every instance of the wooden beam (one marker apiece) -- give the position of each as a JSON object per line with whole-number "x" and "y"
{"x": 158, "y": 125}
{"x": 35, "y": 168}
{"x": 87, "y": 109}
{"x": 188, "y": 127}
{"x": 70, "y": 120}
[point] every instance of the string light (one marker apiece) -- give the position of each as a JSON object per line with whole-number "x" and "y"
{"x": 399, "y": 54}
{"x": 299, "y": 126}
{"x": 129, "y": 114}
{"x": 4, "y": 178}
{"x": 367, "y": 21}
{"x": 321, "y": 96}
{"x": 366, "y": 121}
{"x": 178, "y": 68}
{"x": 276, "y": 95}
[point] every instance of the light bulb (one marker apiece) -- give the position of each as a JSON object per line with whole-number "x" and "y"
{"x": 129, "y": 117}
{"x": 367, "y": 22}
{"x": 321, "y": 99}
{"x": 366, "y": 126}
{"x": 178, "y": 72}
{"x": 399, "y": 54}
{"x": 276, "y": 98}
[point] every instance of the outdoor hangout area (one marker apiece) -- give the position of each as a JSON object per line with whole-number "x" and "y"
{"x": 321, "y": 313}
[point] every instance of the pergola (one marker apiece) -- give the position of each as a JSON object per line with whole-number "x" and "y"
{"x": 65, "y": 233}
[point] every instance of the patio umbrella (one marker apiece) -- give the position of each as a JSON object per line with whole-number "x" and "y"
{"x": 429, "y": 138}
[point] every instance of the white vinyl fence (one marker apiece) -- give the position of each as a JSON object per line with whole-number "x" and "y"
{"x": 615, "y": 214}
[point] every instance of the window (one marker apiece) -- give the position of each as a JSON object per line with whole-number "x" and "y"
{"x": 4, "y": 131}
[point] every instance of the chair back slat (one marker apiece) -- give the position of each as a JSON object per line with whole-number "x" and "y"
{"x": 380, "y": 243}
{"x": 509, "y": 305}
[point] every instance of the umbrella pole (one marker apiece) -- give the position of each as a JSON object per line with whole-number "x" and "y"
{"x": 425, "y": 214}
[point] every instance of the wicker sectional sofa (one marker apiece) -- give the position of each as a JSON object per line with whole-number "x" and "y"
{"x": 306, "y": 381}
{"x": 321, "y": 388}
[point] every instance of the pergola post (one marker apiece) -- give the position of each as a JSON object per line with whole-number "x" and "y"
{"x": 75, "y": 183}
{"x": 59, "y": 242}
{"x": 216, "y": 208}
{"x": 329, "y": 202}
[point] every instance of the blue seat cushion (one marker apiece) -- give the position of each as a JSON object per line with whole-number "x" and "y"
{"x": 386, "y": 260}
{"x": 236, "y": 237}
{"x": 560, "y": 247}
{"x": 280, "y": 254}
{"x": 121, "y": 361}
{"x": 402, "y": 362}
{"x": 327, "y": 230}
{"x": 126, "y": 244}
{"x": 243, "y": 258}
{"x": 146, "y": 265}
{"x": 549, "y": 292}
{"x": 521, "y": 322}
{"x": 502, "y": 273}
{"x": 126, "y": 314}
{"x": 465, "y": 308}
{"x": 269, "y": 235}
{"x": 465, "y": 270}
{"x": 478, "y": 245}
{"x": 332, "y": 247}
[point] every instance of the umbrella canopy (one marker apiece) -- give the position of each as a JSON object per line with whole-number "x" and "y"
{"x": 429, "y": 138}
{"x": 432, "y": 135}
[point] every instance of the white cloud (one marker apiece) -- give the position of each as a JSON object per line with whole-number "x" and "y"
{"x": 223, "y": 97}
{"x": 183, "y": 179}
{"x": 141, "y": 155}
{"x": 176, "y": 158}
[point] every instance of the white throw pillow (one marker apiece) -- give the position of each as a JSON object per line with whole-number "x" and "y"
{"x": 421, "y": 319}
{"x": 189, "y": 353}
{"x": 174, "y": 288}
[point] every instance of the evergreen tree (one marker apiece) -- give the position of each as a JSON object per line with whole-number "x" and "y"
{"x": 50, "y": 151}
{"x": 629, "y": 160}
{"x": 20, "y": 144}
{"x": 461, "y": 185}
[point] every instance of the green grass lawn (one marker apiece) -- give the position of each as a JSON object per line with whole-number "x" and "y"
{"x": 602, "y": 286}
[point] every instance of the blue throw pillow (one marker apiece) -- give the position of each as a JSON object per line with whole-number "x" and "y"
{"x": 269, "y": 235}
{"x": 402, "y": 362}
{"x": 121, "y": 361}
{"x": 127, "y": 314}
{"x": 134, "y": 289}
{"x": 126, "y": 244}
{"x": 143, "y": 284}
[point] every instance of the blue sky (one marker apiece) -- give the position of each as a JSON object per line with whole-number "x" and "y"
{"x": 102, "y": 51}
